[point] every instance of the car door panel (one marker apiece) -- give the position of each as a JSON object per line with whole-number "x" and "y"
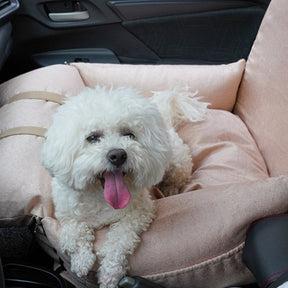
{"x": 132, "y": 9}
{"x": 208, "y": 37}
{"x": 99, "y": 12}
{"x": 137, "y": 31}
{"x": 7, "y": 9}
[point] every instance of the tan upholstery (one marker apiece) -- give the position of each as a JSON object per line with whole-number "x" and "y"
{"x": 239, "y": 157}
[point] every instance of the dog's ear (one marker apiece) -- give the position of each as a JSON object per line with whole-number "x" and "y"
{"x": 156, "y": 151}
{"x": 58, "y": 152}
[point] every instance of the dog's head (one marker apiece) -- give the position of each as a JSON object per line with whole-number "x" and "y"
{"x": 110, "y": 140}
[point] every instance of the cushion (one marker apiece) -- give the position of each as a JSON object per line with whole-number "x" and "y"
{"x": 217, "y": 84}
{"x": 197, "y": 238}
{"x": 223, "y": 151}
{"x": 29, "y": 193}
{"x": 198, "y": 235}
{"x": 20, "y": 153}
{"x": 263, "y": 101}
{"x": 61, "y": 79}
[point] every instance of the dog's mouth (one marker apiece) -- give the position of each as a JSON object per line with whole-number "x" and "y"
{"x": 116, "y": 192}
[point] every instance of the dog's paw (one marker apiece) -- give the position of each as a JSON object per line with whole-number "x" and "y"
{"x": 110, "y": 277}
{"x": 82, "y": 263}
{"x": 67, "y": 246}
{"x": 111, "y": 285}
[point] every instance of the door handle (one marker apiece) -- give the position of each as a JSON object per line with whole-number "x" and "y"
{"x": 69, "y": 16}
{"x": 66, "y": 10}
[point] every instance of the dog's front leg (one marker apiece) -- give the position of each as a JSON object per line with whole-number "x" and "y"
{"x": 76, "y": 239}
{"x": 180, "y": 168}
{"x": 122, "y": 239}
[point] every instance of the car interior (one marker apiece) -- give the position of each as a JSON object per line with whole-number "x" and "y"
{"x": 130, "y": 32}
{"x": 136, "y": 35}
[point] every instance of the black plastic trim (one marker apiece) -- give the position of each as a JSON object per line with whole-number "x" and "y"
{"x": 8, "y": 10}
{"x": 99, "y": 13}
{"x": 2, "y": 282}
{"x": 141, "y": 9}
{"x": 265, "y": 250}
{"x": 5, "y": 42}
{"x": 90, "y": 55}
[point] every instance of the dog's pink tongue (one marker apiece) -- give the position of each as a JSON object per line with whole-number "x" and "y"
{"x": 115, "y": 190}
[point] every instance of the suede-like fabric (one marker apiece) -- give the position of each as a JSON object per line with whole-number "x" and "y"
{"x": 263, "y": 96}
{"x": 223, "y": 151}
{"x": 197, "y": 238}
{"x": 29, "y": 192}
{"x": 61, "y": 79}
{"x": 217, "y": 84}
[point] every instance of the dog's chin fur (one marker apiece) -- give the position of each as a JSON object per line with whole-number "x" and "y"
{"x": 118, "y": 119}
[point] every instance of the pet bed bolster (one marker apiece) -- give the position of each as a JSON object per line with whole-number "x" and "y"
{"x": 32, "y": 130}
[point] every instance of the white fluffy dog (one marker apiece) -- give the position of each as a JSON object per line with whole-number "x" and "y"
{"x": 105, "y": 149}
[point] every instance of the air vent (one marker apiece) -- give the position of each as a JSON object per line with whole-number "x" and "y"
{"x": 4, "y": 3}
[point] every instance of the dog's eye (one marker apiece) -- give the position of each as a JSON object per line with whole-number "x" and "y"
{"x": 94, "y": 138}
{"x": 129, "y": 134}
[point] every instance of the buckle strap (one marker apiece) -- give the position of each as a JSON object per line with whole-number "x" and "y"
{"x": 41, "y": 95}
{"x": 31, "y": 130}
{"x": 24, "y": 130}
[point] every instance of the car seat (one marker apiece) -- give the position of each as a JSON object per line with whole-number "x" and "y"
{"x": 239, "y": 152}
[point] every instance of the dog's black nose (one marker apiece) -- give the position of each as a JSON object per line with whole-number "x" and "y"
{"x": 117, "y": 156}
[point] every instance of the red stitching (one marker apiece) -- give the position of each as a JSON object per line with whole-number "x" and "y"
{"x": 277, "y": 216}
{"x": 270, "y": 217}
{"x": 267, "y": 278}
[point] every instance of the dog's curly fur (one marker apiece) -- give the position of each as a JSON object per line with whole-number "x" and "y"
{"x": 145, "y": 150}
